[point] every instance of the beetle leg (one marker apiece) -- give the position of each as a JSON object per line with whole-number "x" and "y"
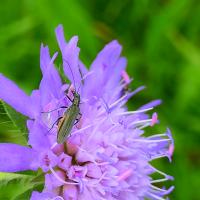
{"x": 69, "y": 99}
{"x": 79, "y": 116}
{"x": 77, "y": 120}
{"x": 56, "y": 122}
{"x": 55, "y": 109}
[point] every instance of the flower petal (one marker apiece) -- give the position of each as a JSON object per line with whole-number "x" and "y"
{"x": 35, "y": 99}
{"x": 51, "y": 182}
{"x": 42, "y": 196}
{"x": 70, "y": 192}
{"x": 106, "y": 64}
{"x": 70, "y": 54}
{"x": 38, "y": 135}
{"x": 15, "y": 97}
{"x": 14, "y": 158}
{"x": 119, "y": 68}
{"x": 108, "y": 56}
{"x": 151, "y": 104}
{"x": 51, "y": 83}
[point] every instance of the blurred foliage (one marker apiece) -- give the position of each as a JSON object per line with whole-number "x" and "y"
{"x": 161, "y": 40}
{"x": 19, "y": 186}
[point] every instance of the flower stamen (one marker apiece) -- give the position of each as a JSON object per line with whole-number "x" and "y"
{"x": 61, "y": 180}
{"x": 125, "y": 175}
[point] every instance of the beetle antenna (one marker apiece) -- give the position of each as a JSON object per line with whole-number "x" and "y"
{"x": 82, "y": 80}
{"x": 83, "y": 77}
{"x": 71, "y": 72}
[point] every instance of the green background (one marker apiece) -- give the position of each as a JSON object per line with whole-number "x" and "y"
{"x": 161, "y": 40}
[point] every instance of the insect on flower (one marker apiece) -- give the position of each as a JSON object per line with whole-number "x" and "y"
{"x": 109, "y": 156}
{"x": 70, "y": 117}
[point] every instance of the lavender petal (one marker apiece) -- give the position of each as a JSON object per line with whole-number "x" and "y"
{"x": 42, "y": 196}
{"x": 51, "y": 83}
{"x": 15, "y": 97}
{"x": 70, "y": 54}
{"x": 38, "y": 136}
{"x": 14, "y": 158}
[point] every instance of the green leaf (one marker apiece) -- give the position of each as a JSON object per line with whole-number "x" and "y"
{"x": 17, "y": 119}
{"x": 17, "y": 186}
{"x": 26, "y": 193}
{"x": 9, "y": 176}
{"x": 12, "y": 184}
{"x": 23, "y": 196}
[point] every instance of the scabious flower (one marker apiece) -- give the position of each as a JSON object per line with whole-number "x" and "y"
{"x": 106, "y": 156}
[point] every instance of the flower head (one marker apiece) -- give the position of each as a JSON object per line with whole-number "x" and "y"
{"x": 105, "y": 154}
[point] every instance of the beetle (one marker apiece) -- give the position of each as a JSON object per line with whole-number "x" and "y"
{"x": 69, "y": 119}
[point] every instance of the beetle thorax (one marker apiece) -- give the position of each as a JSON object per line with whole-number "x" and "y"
{"x": 76, "y": 100}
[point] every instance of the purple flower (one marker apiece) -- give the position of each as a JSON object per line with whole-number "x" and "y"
{"x": 106, "y": 155}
